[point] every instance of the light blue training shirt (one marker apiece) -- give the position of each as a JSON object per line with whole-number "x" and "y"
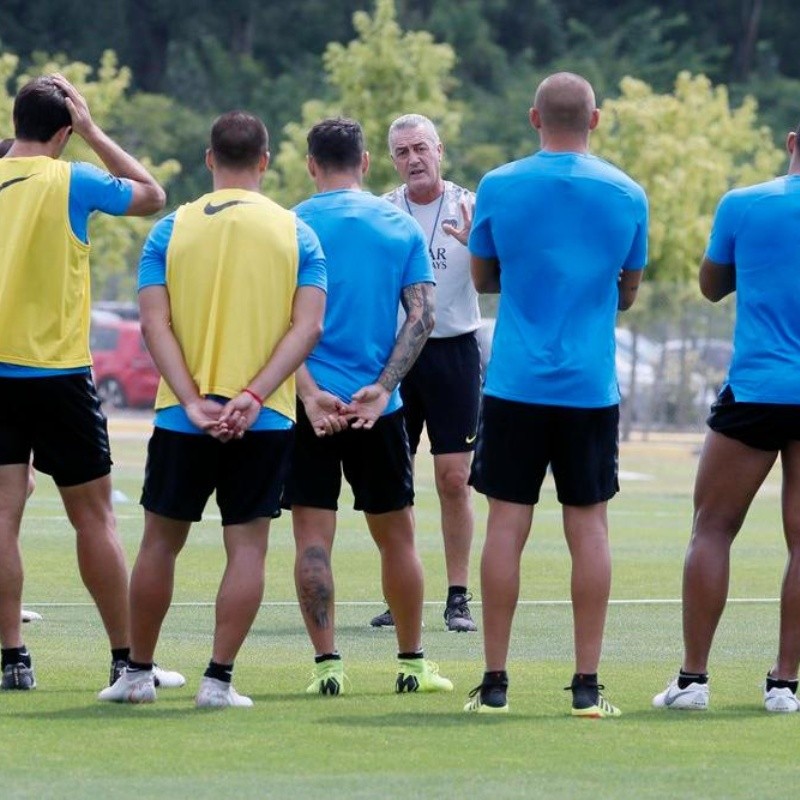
{"x": 562, "y": 226}
{"x": 374, "y": 251}
{"x": 756, "y": 232}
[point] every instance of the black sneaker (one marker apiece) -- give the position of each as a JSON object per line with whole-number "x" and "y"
{"x": 488, "y": 699}
{"x": 18, "y": 676}
{"x": 587, "y": 701}
{"x": 456, "y": 614}
{"x": 384, "y": 620}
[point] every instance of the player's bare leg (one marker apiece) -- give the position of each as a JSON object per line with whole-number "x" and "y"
{"x": 152, "y": 581}
{"x": 101, "y": 560}
{"x": 314, "y": 531}
{"x": 728, "y": 477}
{"x": 401, "y": 574}
{"x": 507, "y": 530}
{"x": 13, "y": 483}
{"x": 788, "y": 659}
{"x": 451, "y": 471}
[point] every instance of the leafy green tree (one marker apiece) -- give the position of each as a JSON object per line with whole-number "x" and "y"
{"x": 114, "y": 240}
{"x": 383, "y": 73}
{"x": 687, "y": 148}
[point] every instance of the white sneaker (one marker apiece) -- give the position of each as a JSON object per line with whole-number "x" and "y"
{"x": 693, "y": 698}
{"x": 30, "y": 616}
{"x": 167, "y": 678}
{"x": 218, "y": 694}
{"x": 131, "y": 687}
{"x": 782, "y": 701}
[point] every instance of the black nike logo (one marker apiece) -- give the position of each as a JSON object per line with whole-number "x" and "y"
{"x": 11, "y": 182}
{"x": 212, "y": 209}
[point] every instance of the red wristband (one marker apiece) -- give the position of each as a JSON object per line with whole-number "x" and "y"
{"x": 255, "y": 397}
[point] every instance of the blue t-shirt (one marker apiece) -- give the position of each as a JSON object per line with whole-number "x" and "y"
{"x": 756, "y": 231}
{"x": 374, "y": 250}
{"x": 311, "y": 271}
{"x": 90, "y": 189}
{"x": 562, "y": 226}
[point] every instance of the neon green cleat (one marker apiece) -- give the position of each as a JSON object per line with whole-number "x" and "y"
{"x": 328, "y": 678}
{"x": 420, "y": 675}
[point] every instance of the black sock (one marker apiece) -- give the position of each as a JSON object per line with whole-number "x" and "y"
{"x": 334, "y": 656}
{"x": 220, "y": 672}
{"x": 498, "y": 678}
{"x": 584, "y": 679}
{"x": 685, "y": 678}
{"x": 454, "y": 590}
{"x": 120, "y": 653}
{"x": 139, "y": 666}
{"x": 777, "y": 683}
{"x": 411, "y": 656}
{"x": 15, "y": 655}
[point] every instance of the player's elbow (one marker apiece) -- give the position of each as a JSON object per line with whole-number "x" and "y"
{"x": 148, "y": 198}
{"x": 156, "y": 199}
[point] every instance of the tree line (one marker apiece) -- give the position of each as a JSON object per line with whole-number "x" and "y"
{"x": 696, "y": 95}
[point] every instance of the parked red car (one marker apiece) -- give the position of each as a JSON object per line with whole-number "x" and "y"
{"x": 123, "y": 370}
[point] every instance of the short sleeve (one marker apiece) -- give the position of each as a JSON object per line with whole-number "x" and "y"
{"x": 312, "y": 269}
{"x": 637, "y": 255}
{"x": 481, "y": 241}
{"x": 419, "y": 268}
{"x": 153, "y": 261}
{"x": 92, "y": 189}
{"x": 722, "y": 241}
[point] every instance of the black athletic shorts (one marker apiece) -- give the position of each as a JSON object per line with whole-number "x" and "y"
{"x": 183, "y": 469}
{"x": 375, "y": 462}
{"x": 763, "y": 426}
{"x": 59, "y": 420}
{"x": 442, "y": 391}
{"x": 517, "y": 442}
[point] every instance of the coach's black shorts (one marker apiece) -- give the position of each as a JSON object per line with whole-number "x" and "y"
{"x": 517, "y": 441}
{"x": 60, "y": 420}
{"x": 442, "y": 391}
{"x": 183, "y": 469}
{"x": 763, "y": 426}
{"x": 376, "y": 463}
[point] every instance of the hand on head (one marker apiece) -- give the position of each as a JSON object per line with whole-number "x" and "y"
{"x": 77, "y": 106}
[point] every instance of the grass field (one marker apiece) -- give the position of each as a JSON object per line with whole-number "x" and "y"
{"x": 58, "y": 742}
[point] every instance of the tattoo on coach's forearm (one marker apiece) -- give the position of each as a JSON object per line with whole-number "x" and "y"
{"x": 315, "y": 584}
{"x": 417, "y": 301}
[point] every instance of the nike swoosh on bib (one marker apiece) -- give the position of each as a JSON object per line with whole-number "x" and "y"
{"x": 212, "y": 209}
{"x": 11, "y": 182}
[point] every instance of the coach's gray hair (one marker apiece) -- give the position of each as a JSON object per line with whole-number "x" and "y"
{"x": 412, "y": 121}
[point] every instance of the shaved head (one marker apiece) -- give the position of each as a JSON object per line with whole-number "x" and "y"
{"x": 565, "y": 103}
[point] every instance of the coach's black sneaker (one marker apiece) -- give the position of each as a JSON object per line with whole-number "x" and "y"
{"x": 19, "y": 677}
{"x": 456, "y": 614}
{"x": 384, "y": 620}
{"x": 587, "y": 701}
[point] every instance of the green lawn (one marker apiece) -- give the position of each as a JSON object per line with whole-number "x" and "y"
{"x": 59, "y": 742}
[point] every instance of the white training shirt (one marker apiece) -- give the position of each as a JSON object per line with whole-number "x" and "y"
{"x": 457, "y": 309}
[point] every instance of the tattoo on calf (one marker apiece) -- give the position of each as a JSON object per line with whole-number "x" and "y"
{"x": 316, "y": 586}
